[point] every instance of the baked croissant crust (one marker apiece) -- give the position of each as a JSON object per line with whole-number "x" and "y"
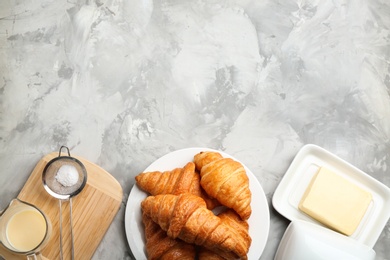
{"x": 203, "y": 158}
{"x": 176, "y": 181}
{"x": 161, "y": 247}
{"x": 225, "y": 179}
{"x": 241, "y": 227}
{"x": 186, "y": 217}
{"x": 207, "y": 254}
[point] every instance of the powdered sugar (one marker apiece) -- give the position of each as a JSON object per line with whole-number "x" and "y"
{"x": 67, "y": 175}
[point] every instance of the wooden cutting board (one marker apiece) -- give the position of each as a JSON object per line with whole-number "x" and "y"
{"x": 94, "y": 208}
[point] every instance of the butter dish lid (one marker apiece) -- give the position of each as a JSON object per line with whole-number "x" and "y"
{"x": 306, "y": 241}
{"x": 301, "y": 171}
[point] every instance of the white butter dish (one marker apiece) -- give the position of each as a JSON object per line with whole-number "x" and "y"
{"x": 307, "y": 241}
{"x": 301, "y": 171}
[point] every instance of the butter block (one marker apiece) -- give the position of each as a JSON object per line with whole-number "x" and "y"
{"x": 335, "y": 201}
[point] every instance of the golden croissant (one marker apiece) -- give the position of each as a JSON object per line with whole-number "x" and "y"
{"x": 161, "y": 247}
{"x": 176, "y": 181}
{"x": 241, "y": 227}
{"x": 207, "y": 254}
{"x": 186, "y": 217}
{"x": 179, "y": 180}
{"x": 225, "y": 179}
{"x": 203, "y": 158}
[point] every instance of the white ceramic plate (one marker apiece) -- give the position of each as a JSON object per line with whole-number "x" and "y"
{"x": 258, "y": 222}
{"x": 305, "y": 164}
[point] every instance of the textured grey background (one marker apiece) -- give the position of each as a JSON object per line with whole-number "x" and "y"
{"x": 123, "y": 82}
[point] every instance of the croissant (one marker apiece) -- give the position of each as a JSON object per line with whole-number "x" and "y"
{"x": 203, "y": 158}
{"x": 225, "y": 179}
{"x": 207, "y": 254}
{"x": 241, "y": 227}
{"x": 160, "y": 246}
{"x": 186, "y": 217}
{"x": 176, "y": 181}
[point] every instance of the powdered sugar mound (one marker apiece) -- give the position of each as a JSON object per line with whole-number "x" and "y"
{"x": 67, "y": 175}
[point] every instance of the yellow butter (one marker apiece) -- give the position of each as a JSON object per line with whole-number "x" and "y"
{"x": 335, "y": 201}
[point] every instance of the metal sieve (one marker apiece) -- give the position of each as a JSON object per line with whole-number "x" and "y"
{"x": 61, "y": 192}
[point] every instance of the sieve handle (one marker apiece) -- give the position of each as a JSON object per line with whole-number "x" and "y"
{"x": 71, "y": 229}
{"x": 61, "y": 254}
{"x": 59, "y": 153}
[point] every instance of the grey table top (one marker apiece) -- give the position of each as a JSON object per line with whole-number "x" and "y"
{"x": 124, "y": 82}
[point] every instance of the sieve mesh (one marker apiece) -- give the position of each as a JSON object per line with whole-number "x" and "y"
{"x": 56, "y": 189}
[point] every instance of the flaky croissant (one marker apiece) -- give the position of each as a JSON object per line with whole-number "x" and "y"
{"x": 239, "y": 226}
{"x": 207, "y": 254}
{"x": 176, "y": 181}
{"x": 186, "y": 217}
{"x": 225, "y": 179}
{"x": 161, "y": 247}
{"x": 203, "y": 158}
